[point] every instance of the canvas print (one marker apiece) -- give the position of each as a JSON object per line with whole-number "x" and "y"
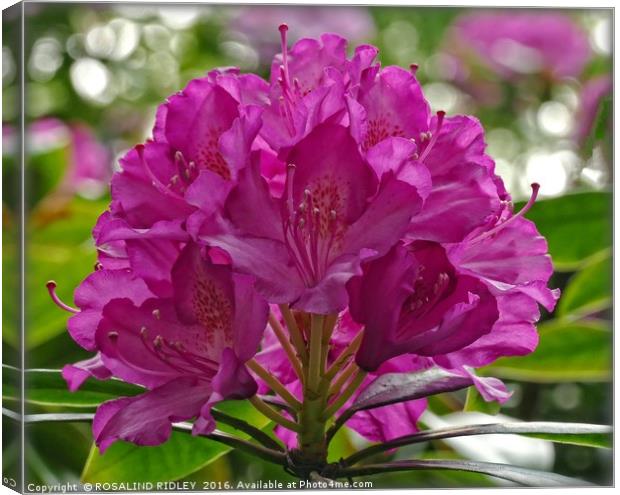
{"x": 277, "y": 247}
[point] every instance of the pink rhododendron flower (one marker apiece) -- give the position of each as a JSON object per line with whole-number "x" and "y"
{"x": 188, "y": 350}
{"x": 488, "y": 47}
{"x": 254, "y": 25}
{"x": 592, "y": 94}
{"x": 89, "y": 165}
{"x": 329, "y": 202}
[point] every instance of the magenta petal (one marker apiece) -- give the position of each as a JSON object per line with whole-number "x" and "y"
{"x": 94, "y": 293}
{"x": 308, "y": 58}
{"x": 142, "y": 193}
{"x": 197, "y": 117}
{"x": 386, "y": 218}
{"x": 330, "y": 295}
{"x": 76, "y": 374}
{"x": 513, "y": 334}
{"x": 127, "y": 339}
{"x": 376, "y": 299}
{"x": 203, "y": 293}
{"x": 251, "y": 207}
{"x": 396, "y": 155}
{"x": 233, "y": 381}
{"x": 458, "y": 203}
{"x": 251, "y": 313}
{"x": 394, "y": 106}
{"x": 386, "y": 423}
{"x": 267, "y": 260}
{"x": 516, "y": 254}
{"x": 147, "y": 419}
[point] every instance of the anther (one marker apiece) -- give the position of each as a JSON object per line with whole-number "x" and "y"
{"x": 157, "y": 342}
{"x": 51, "y": 288}
{"x": 113, "y": 335}
{"x": 414, "y": 68}
{"x": 156, "y": 313}
{"x": 144, "y": 332}
{"x": 316, "y": 211}
{"x": 98, "y": 266}
{"x": 332, "y": 214}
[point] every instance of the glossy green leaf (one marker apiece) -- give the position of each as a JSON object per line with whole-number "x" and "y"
{"x": 180, "y": 456}
{"x": 568, "y": 351}
{"x": 60, "y": 250}
{"x": 576, "y": 226}
{"x": 600, "y": 126}
{"x": 589, "y": 290}
{"x": 48, "y": 388}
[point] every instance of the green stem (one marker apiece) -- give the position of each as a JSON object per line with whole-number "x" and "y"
{"x": 291, "y": 352}
{"x": 274, "y": 384}
{"x": 272, "y": 414}
{"x": 316, "y": 341}
{"x": 294, "y": 332}
{"x": 350, "y": 389}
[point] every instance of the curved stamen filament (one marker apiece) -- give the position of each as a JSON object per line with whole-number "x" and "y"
{"x": 440, "y": 115}
{"x": 283, "y": 28}
{"x": 274, "y": 384}
{"x": 347, "y": 393}
{"x": 157, "y": 184}
{"x": 523, "y": 211}
{"x": 51, "y": 288}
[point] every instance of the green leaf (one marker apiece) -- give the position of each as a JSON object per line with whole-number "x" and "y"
{"x": 48, "y": 388}
{"x": 180, "y": 456}
{"x": 576, "y": 226}
{"x": 588, "y": 291}
{"x": 63, "y": 251}
{"x": 600, "y": 126}
{"x": 567, "y": 352}
{"x": 475, "y": 402}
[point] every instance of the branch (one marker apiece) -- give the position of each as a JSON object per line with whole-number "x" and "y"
{"x": 258, "y": 435}
{"x": 548, "y": 430}
{"x": 527, "y": 477}
{"x": 219, "y": 436}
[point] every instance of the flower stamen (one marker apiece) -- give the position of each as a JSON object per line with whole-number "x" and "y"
{"x": 51, "y": 288}
{"x": 535, "y": 187}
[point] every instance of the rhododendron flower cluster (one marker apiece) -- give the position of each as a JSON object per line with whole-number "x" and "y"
{"x": 303, "y": 237}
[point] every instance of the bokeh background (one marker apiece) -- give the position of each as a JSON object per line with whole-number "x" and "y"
{"x": 540, "y": 82}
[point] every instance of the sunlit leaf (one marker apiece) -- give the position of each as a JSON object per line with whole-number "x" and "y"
{"x": 180, "y": 456}
{"x": 568, "y": 351}
{"x": 577, "y": 226}
{"x": 588, "y": 291}
{"x": 48, "y": 388}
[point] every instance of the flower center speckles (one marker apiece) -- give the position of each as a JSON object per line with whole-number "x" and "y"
{"x": 315, "y": 227}
{"x": 213, "y": 311}
{"x": 379, "y": 129}
{"x": 209, "y": 157}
